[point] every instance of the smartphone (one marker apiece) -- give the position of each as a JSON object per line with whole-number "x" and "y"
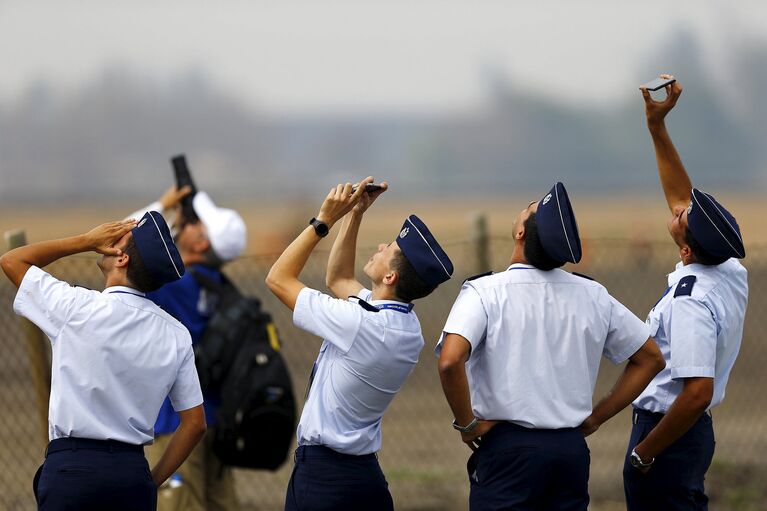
{"x": 184, "y": 178}
{"x": 658, "y": 83}
{"x": 369, "y": 188}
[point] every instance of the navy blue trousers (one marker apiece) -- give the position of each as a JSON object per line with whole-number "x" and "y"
{"x": 326, "y": 480}
{"x": 675, "y": 481}
{"x": 94, "y": 475}
{"x": 521, "y": 469}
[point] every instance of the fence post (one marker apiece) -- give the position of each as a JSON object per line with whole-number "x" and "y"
{"x": 480, "y": 243}
{"x": 36, "y": 350}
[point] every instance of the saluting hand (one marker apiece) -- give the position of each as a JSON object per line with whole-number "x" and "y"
{"x": 656, "y": 110}
{"x": 101, "y": 239}
{"x": 474, "y": 437}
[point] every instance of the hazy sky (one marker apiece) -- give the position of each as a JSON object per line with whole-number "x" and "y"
{"x": 360, "y": 55}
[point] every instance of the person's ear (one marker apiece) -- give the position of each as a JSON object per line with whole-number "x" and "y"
{"x": 519, "y": 234}
{"x": 685, "y": 253}
{"x": 391, "y": 278}
{"x": 122, "y": 260}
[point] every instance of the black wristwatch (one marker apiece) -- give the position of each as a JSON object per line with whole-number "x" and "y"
{"x": 321, "y": 228}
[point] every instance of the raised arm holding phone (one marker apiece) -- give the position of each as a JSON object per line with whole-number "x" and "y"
{"x": 698, "y": 324}
{"x": 371, "y": 343}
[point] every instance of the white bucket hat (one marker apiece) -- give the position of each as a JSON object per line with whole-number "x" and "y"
{"x": 226, "y": 229}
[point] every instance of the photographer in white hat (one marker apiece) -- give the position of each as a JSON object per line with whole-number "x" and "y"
{"x": 217, "y": 236}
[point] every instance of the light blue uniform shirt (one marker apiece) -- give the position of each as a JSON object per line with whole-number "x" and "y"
{"x": 537, "y": 338}
{"x": 364, "y": 360}
{"x": 116, "y": 355}
{"x": 698, "y": 332}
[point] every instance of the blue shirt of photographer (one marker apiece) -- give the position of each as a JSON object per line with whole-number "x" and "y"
{"x": 186, "y": 301}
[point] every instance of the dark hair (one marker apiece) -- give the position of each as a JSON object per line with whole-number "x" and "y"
{"x": 138, "y": 273}
{"x": 409, "y": 285}
{"x": 534, "y": 252}
{"x": 702, "y": 256}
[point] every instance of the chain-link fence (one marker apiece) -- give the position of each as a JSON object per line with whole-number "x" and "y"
{"x": 422, "y": 456}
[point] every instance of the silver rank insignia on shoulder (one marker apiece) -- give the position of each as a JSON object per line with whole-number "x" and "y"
{"x": 684, "y": 286}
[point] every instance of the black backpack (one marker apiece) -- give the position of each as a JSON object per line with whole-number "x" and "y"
{"x": 238, "y": 358}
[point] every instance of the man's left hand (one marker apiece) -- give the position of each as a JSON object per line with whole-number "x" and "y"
{"x": 474, "y": 437}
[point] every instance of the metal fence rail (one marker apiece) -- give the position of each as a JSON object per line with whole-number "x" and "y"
{"x": 422, "y": 456}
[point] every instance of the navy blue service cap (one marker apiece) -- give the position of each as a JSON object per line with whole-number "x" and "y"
{"x": 714, "y": 227}
{"x": 419, "y": 247}
{"x": 156, "y": 248}
{"x": 556, "y": 226}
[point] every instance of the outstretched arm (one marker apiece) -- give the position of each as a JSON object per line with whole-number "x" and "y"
{"x": 673, "y": 177}
{"x": 340, "y": 277}
{"x": 101, "y": 239}
{"x": 282, "y": 279}
{"x": 638, "y": 373}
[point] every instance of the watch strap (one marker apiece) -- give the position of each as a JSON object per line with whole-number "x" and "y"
{"x": 637, "y": 461}
{"x": 466, "y": 429}
{"x": 320, "y": 227}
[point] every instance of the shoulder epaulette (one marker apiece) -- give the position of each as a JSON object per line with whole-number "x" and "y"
{"x": 475, "y": 277}
{"x": 684, "y": 286}
{"x": 581, "y": 275}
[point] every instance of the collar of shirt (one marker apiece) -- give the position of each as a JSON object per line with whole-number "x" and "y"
{"x": 123, "y": 290}
{"x": 697, "y": 269}
{"x": 393, "y": 305}
{"x": 520, "y": 266}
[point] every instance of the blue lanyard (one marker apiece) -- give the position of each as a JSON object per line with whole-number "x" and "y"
{"x": 519, "y": 268}
{"x": 404, "y": 308}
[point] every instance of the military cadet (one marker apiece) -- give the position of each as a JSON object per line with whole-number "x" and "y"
{"x": 372, "y": 340}
{"x": 116, "y": 355}
{"x": 518, "y": 361}
{"x": 217, "y": 236}
{"x": 698, "y": 324}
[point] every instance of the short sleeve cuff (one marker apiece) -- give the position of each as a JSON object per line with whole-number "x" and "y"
{"x": 692, "y": 372}
{"x": 438, "y": 347}
{"x": 186, "y": 404}
{"x": 302, "y": 310}
{"x": 32, "y": 276}
{"x": 633, "y": 347}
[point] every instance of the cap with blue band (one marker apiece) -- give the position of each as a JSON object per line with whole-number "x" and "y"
{"x": 557, "y": 228}
{"x": 713, "y": 227}
{"x": 156, "y": 248}
{"x": 421, "y": 249}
